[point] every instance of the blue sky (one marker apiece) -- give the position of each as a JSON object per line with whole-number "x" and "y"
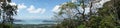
{"x": 36, "y": 9}
{"x": 42, "y": 9}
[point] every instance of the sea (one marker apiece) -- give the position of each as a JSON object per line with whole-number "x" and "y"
{"x": 35, "y": 21}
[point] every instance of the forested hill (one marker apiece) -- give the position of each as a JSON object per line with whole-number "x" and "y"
{"x": 108, "y": 16}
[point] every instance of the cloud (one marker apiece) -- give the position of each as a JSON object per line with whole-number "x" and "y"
{"x": 56, "y": 8}
{"x": 96, "y": 5}
{"x": 100, "y": 4}
{"x": 12, "y": 3}
{"x": 22, "y": 6}
{"x": 32, "y": 9}
{"x": 86, "y": 9}
{"x": 74, "y": 0}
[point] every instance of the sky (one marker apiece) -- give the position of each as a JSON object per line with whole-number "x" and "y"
{"x": 36, "y": 9}
{"x": 42, "y": 9}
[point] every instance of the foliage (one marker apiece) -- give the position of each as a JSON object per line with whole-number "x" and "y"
{"x": 105, "y": 17}
{"x": 81, "y": 26}
{"x": 7, "y": 11}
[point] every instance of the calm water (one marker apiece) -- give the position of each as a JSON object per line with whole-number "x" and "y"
{"x": 36, "y": 21}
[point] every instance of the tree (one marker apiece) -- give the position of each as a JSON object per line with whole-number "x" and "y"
{"x": 68, "y": 9}
{"x": 7, "y": 13}
{"x": 71, "y": 10}
{"x": 106, "y": 17}
{"x": 103, "y": 17}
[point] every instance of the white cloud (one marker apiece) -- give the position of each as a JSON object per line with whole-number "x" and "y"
{"x": 12, "y": 3}
{"x": 96, "y": 5}
{"x": 22, "y": 6}
{"x": 100, "y": 4}
{"x": 56, "y": 8}
{"x": 32, "y": 9}
{"x": 74, "y": 0}
{"x": 86, "y": 9}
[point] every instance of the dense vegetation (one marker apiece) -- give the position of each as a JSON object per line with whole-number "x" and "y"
{"x": 73, "y": 15}
{"x": 107, "y": 16}
{"x": 7, "y": 11}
